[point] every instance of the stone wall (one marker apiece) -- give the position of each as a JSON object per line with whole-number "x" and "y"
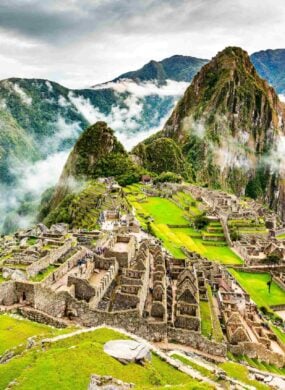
{"x": 197, "y": 341}
{"x": 25, "y": 292}
{"x": 51, "y": 302}
{"x": 258, "y": 351}
{"x": 51, "y": 258}
{"x": 8, "y": 293}
{"x": 65, "y": 267}
{"x": 38, "y": 316}
{"x": 82, "y": 289}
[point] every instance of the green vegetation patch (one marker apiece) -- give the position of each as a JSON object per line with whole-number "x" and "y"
{"x": 206, "y": 319}
{"x": 255, "y": 284}
{"x": 69, "y": 363}
{"x": 241, "y": 373}
{"x": 16, "y": 330}
{"x": 165, "y": 213}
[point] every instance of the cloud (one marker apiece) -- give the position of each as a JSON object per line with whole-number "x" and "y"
{"x": 127, "y": 118}
{"x": 24, "y": 97}
{"x": 83, "y": 42}
{"x": 276, "y": 157}
{"x": 33, "y": 180}
{"x": 142, "y": 89}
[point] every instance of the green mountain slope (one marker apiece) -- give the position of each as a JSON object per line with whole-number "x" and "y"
{"x": 228, "y": 125}
{"x": 97, "y": 153}
{"x": 15, "y": 146}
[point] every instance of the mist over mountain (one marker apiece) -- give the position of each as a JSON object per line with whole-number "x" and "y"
{"x": 230, "y": 127}
{"x": 41, "y": 120}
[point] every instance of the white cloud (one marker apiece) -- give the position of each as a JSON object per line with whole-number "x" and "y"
{"x": 24, "y": 97}
{"x": 172, "y": 88}
{"x": 36, "y": 178}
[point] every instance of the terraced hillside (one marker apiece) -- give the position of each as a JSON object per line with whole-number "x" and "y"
{"x": 172, "y": 221}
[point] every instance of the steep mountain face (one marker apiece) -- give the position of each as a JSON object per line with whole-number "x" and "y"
{"x": 41, "y": 121}
{"x": 229, "y": 124}
{"x": 177, "y": 67}
{"x": 15, "y": 145}
{"x": 97, "y": 153}
{"x": 270, "y": 64}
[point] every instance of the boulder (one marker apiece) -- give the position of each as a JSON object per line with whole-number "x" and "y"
{"x": 127, "y": 351}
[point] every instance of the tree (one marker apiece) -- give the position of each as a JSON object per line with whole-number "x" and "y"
{"x": 273, "y": 258}
{"x": 200, "y": 221}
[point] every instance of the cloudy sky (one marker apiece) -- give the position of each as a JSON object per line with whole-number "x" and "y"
{"x": 83, "y": 42}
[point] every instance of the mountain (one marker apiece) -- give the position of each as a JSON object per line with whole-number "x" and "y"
{"x": 270, "y": 64}
{"x": 41, "y": 119}
{"x": 97, "y": 153}
{"x": 229, "y": 125}
{"x": 177, "y": 67}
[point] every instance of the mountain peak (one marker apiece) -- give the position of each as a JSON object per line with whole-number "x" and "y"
{"x": 177, "y": 67}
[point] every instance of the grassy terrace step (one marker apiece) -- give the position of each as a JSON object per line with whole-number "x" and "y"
{"x": 165, "y": 212}
{"x": 68, "y": 364}
{"x": 255, "y": 284}
{"x": 233, "y": 370}
{"x": 206, "y": 319}
{"x": 15, "y": 330}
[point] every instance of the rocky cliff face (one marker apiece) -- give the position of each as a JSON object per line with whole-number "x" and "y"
{"x": 230, "y": 127}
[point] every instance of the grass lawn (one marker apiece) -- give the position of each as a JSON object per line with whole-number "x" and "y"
{"x": 206, "y": 319}
{"x": 15, "y": 331}
{"x": 165, "y": 212}
{"x": 240, "y": 372}
{"x": 255, "y": 285}
{"x": 217, "y": 330}
{"x": 233, "y": 370}
{"x": 255, "y": 363}
{"x": 203, "y": 370}
{"x": 68, "y": 364}
{"x": 42, "y": 275}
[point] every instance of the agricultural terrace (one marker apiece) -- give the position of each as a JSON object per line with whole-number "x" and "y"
{"x": 248, "y": 226}
{"x": 255, "y": 284}
{"x": 165, "y": 215}
{"x": 69, "y": 363}
{"x": 15, "y": 330}
{"x": 233, "y": 370}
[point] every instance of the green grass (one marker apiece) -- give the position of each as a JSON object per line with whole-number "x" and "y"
{"x": 255, "y": 285}
{"x": 164, "y": 212}
{"x": 32, "y": 241}
{"x": 255, "y": 363}
{"x": 240, "y": 373}
{"x": 206, "y": 319}
{"x": 203, "y": 370}
{"x": 15, "y": 331}
{"x": 233, "y": 370}
{"x": 68, "y": 364}
{"x": 279, "y": 333}
{"x": 217, "y": 330}
{"x": 281, "y": 237}
{"x": 42, "y": 275}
